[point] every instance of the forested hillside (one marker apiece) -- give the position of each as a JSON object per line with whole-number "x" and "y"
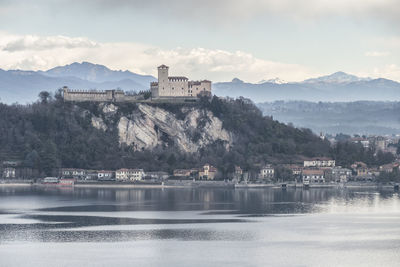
{"x": 51, "y": 133}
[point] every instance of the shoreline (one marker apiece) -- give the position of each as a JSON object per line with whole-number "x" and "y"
{"x": 202, "y": 185}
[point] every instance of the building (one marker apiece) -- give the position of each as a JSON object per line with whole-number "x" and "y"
{"x": 238, "y": 175}
{"x": 360, "y": 168}
{"x": 99, "y": 96}
{"x": 79, "y": 174}
{"x": 380, "y": 143}
{"x": 319, "y": 162}
{"x": 177, "y": 86}
{"x": 9, "y": 173}
{"x": 388, "y": 168}
{"x": 105, "y": 175}
{"x": 361, "y": 140}
{"x": 339, "y": 174}
{"x": 208, "y": 172}
{"x": 267, "y": 172}
{"x": 313, "y": 176}
{"x": 157, "y": 175}
{"x": 129, "y": 174}
{"x": 182, "y": 173}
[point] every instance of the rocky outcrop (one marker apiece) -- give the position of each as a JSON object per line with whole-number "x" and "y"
{"x": 150, "y": 126}
{"x": 98, "y": 123}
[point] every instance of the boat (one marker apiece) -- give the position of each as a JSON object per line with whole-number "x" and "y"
{"x": 306, "y": 184}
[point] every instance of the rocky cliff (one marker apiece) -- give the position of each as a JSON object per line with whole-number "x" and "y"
{"x": 148, "y": 127}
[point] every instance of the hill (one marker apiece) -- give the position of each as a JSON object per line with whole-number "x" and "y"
{"x": 53, "y": 133}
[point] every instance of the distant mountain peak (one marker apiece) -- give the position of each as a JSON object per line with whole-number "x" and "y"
{"x": 237, "y": 80}
{"x": 337, "y": 77}
{"x": 275, "y": 80}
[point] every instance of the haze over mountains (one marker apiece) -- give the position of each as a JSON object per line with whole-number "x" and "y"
{"x": 24, "y": 86}
{"x": 335, "y": 87}
{"x": 359, "y": 117}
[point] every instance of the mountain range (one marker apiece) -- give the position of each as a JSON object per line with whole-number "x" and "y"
{"x": 23, "y": 86}
{"x": 338, "y": 86}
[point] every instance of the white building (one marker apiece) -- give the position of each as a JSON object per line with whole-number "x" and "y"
{"x": 9, "y": 172}
{"x": 105, "y": 175}
{"x": 319, "y": 162}
{"x": 129, "y": 174}
{"x": 340, "y": 174}
{"x": 267, "y": 172}
{"x": 313, "y": 176}
{"x": 177, "y": 86}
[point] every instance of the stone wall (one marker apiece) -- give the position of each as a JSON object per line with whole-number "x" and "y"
{"x": 99, "y": 96}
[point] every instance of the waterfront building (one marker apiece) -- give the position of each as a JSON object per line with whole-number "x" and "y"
{"x": 105, "y": 175}
{"x": 313, "y": 176}
{"x": 267, "y": 172}
{"x": 79, "y": 174}
{"x": 9, "y": 173}
{"x": 208, "y": 172}
{"x": 129, "y": 174}
{"x": 339, "y": 174}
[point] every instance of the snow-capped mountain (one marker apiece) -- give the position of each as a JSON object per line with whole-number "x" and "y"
{"x": 338, "y": 86}
{"x": 337, "y": 77}
{"x": 275, "y": 80}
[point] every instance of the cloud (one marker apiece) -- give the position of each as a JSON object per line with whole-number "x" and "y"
{"x": 36, "y": 52}
{"x": 232, "y": 10}
{"x": 33, "y": 42}
{"x": 376, "y": 54}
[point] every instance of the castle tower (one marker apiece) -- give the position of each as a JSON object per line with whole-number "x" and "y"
{"x": 162, "y": 79}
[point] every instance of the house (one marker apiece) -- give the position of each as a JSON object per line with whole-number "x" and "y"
{"x": 360, "y": 168}
{"x": 182, "y": 173}
{"x": 296, "y": 169}
{"x": 319, "y": 162}
{"x": 79, "y": 174}
{"x": 157, "y": 175}
{"x": 105, "y": 175}
{"x": 238, "y": 174}
{"x": 388, "y": 168}
{"x": 313, "y": 175}
{"x": 208, "y": 172}
{"x": 9, "y": 173}
{"x": 339, "y": 174}
{"x": 129, "y": 174}
{"x": 91, "y": 175}
{"x": 267, "y": 172}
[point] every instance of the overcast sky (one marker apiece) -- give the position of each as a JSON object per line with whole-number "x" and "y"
{"x": 214, "y": 39}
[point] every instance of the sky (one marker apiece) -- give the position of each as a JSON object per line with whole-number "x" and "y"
{"x": 210, "y": 39}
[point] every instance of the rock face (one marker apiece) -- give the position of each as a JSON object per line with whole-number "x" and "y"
{"x": 98, "y": 123}
{"x": 149, "y": 127}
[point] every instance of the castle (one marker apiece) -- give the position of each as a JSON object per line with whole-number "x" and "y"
{"x": 172, "y": 89}
{"x": 177, "y": 86}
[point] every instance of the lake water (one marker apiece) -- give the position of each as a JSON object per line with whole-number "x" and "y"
{"x": 198, "y": 227}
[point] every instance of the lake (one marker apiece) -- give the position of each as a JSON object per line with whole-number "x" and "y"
{"x": 198, "y": 227}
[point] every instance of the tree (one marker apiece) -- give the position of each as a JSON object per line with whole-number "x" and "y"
{"x": 44, "y": 97}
